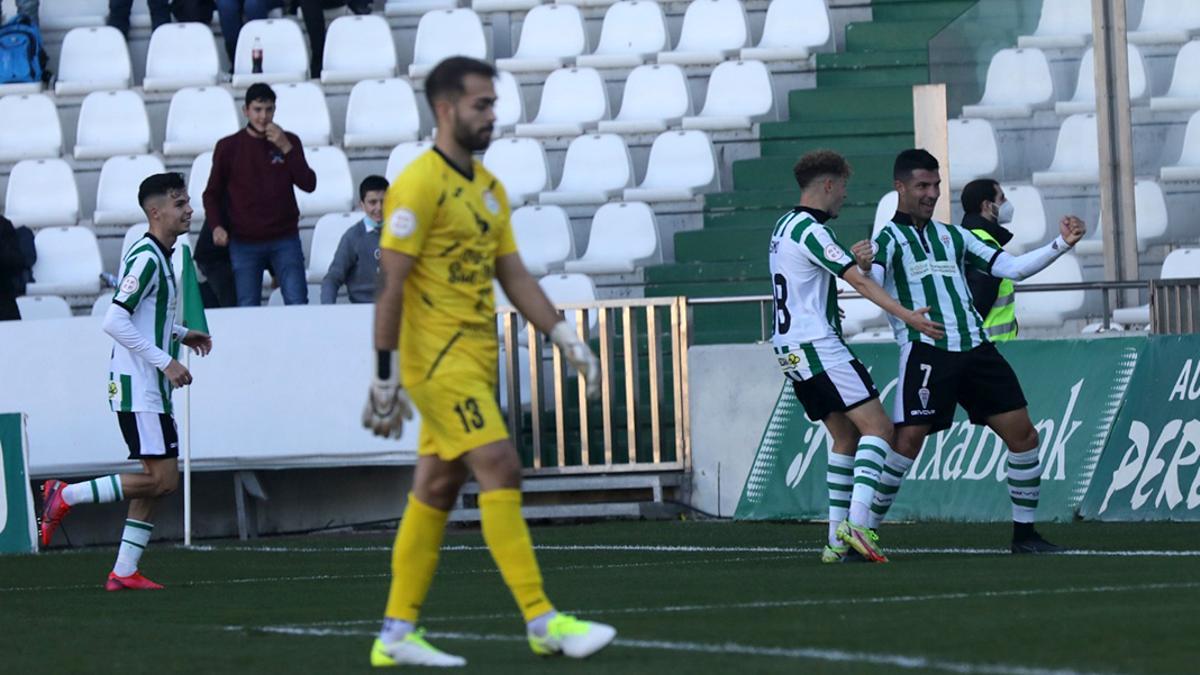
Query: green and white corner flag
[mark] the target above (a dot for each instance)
(193, 304)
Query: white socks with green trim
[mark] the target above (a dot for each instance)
(839, 476)
(894, 469)
(868, 467)
(1024, 484)
(133, 541)
(96, 491)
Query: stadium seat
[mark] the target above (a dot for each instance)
(445, 33)
(623, 237)
(285, 53)
(112, 123)
(1188, 166)
(791, 30)
(1184, 93)
(681, 164)
(1076, 154)
(198, 118)
(974, 152)
(740, 93)
(632, 32)
(31, 128)
(335, 187)
(520, 164)
(510, 104)
(1018, 82)
(42, 193)
(544, 238)
(39, 307)
(68, 262)
(116, 194)
(713, 30)
(402, 155)
(1084, 99)
(1182, 263)
(93, 59)
(300, 108)
(326, 236)
(597, 168)
(381, 113)
(416, 7)
(138, 231)
(885, 210)
(1150, 214)
(181, 55)
(358, 48)
(1051, 308)
(551, 37)
(100, 306)
(197, 182)
(565, 289)
(1166, 22)
(587, 3)
(1063, 23)
(68, 14)
(487, 6)
(655, 98)
(573, 99)
(1029, 218)
(859, 313)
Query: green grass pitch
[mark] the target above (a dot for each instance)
(686, 597)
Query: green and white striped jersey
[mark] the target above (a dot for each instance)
(147, 291)
(805, 257)
(924, 267)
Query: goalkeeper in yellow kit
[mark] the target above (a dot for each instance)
(446, 235)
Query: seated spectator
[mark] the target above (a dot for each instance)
(27, 8)
(314, 25)
(356, 261)
(17, 256)
(118, 14)
(234, 13)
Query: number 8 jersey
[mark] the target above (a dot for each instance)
(805, 257)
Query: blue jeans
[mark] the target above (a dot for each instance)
(233, 13)
(250, 260)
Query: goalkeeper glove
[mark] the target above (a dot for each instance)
(579, 355)
(388, 405)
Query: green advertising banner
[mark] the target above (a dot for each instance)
(1074, 388)
(18, 530)
(1151, 469)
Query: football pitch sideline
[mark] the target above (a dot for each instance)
(698, 597)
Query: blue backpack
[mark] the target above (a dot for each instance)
(20, 51)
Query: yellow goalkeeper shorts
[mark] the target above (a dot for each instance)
(458, 414)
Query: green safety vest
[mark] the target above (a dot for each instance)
(1000, 324)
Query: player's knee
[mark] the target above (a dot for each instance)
(165, 485)
(883, 428)
(1027, 440)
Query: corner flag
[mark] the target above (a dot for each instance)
(193, 305)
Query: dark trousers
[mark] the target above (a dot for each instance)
(118, 13)
(222, 291)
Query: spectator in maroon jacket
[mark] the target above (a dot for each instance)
(250, 204)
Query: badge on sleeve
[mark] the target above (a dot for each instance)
(833, 253)
(130, 284)
(490, 201)
(403, 223)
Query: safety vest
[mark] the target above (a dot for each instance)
(1000, 324)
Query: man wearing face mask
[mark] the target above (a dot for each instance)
(986, 211)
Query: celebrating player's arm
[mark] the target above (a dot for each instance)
(998, 263)
(871, 288)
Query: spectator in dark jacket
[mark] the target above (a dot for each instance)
(356, 262)
(250, 205)
(985, 212)
(17, 256)
(119, 10)
(233, 13)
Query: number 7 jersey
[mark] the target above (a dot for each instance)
(805, 257)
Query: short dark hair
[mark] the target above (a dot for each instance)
(977, 192)
(260, 91)
(371, 183)
(160, 185)
(446, 78)
(911, 160)
(819, 163)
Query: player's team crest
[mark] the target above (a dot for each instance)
(130, 284)
(833, 253)
(923, 394)
(490, 201)
(946, 239)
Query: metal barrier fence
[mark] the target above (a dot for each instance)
(1175, 306)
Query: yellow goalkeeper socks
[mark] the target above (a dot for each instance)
(415, 558)
(507, 537)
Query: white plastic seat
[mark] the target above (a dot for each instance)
(597, 168)
(358, 48)
(1188, 166)
(624, 236)
(285, 53)
(713, 30)
(445, 33)
(1076, 154)
(116, 194)
(181, 55)
(39, 307)
(100, 306)
(402, 155)
(573, 99)
(31, 128)
(1018, 82)
(381, 113)
(112, 123)
(681, 164)
(1184, 93)
(587, 3)
(1050, 308)
(93, 59)
(300, 108)
(487, 6)
(416, 7)
(335, 187)
(1029, 218)
(1084, 99)
(974, 152)
(198, 118)
(68, 262)
(739, 94)
(510, 105)
(42, 193)
(860, 314)
(197, 182)
(551, 37)
(791, 30)
(326, 236)
(1150, 214)
(565, 289)
(68, 14)
(138, 231)
(632, 32)
(885, 210)
(520, 164)
(655, 97)
(1182, 263)
(1063, 23)
(544, 238)
(1166, 22)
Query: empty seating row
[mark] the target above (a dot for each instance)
(1068, 23)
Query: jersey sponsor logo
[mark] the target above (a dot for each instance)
(114, 390)
(921, 413)
(130, 284)
(490, 201)
(939, 268)
(833, 253)
(774, 247)
(403, 223)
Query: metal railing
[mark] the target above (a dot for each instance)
(1175, 306)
